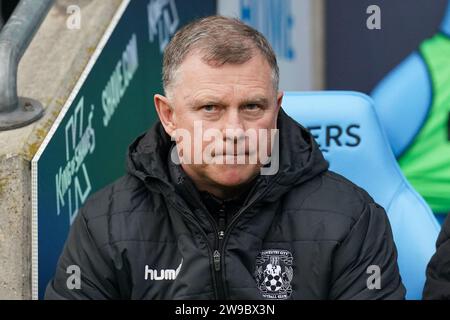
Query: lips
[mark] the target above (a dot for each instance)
(236, 152)
(231, 154)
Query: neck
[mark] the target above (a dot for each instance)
(445, 25)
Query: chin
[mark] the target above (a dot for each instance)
(233, 175)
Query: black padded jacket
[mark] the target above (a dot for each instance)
(437, 286)
(302, 233)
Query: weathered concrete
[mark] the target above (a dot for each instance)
(48, 72)
(15, 228)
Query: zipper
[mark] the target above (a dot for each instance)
(227, 231)
(217, 255)
(220, 238)
(222, 224)
(216, 258)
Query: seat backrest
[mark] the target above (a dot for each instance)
(349, 133)
(405, 93)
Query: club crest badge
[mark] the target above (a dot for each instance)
(274, 273)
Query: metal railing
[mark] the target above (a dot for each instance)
(15, 36)
(1, 16)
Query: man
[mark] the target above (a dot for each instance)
(437, 286)
(254, 215)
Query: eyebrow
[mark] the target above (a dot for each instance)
(214, 101)
(256, 100)
(206, 101)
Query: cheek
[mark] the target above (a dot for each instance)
(183, 119)
(192, 144)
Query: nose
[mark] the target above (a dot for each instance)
(233, 130)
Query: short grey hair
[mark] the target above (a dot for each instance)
(220, 40)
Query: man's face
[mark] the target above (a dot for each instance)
(231, 99)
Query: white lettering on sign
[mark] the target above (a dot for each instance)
(163, 21)
(274, 18)
(120, 79)
(80, 141)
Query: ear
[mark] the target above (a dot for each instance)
(165, 113)
(278, 106)
(279, 100)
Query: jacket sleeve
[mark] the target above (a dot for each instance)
(82, 250)
(365, 263)
(437, 285)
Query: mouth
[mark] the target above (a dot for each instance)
(232, 158)
(231, 154)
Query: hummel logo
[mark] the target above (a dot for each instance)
(164, 274)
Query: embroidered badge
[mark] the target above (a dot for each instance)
(274, 273)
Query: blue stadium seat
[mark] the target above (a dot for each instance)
(349, 133)
(405, 93)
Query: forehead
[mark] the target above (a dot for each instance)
(196, 78)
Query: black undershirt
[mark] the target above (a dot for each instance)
(222, 210)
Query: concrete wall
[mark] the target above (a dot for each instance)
(48, 72)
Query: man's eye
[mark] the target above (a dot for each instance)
(209, 108)
(252, 107)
